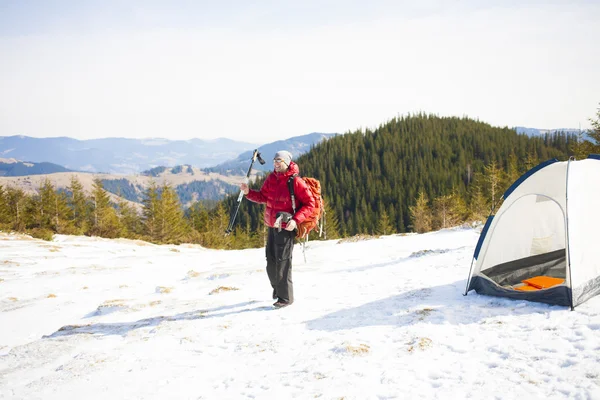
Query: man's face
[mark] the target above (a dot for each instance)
(279, 165)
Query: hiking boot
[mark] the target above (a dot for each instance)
(280, 304)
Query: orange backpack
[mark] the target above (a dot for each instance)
(312, 220)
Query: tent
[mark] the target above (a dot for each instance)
(543, 243)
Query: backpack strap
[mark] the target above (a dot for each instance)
(290, 184)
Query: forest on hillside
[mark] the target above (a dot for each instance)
(371, 179)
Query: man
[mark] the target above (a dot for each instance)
(275, 194)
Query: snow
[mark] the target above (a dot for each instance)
(91, 318)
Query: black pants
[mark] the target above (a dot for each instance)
(280, 245)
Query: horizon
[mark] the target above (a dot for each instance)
(269, 71)
(256, 143)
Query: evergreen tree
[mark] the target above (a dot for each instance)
(531, 161)
(4, 208)
(331, 223)
(581, 147)
(198, 217)
(478, 206)
(129, 219)
(172, 227)
(595, 133)
(61, 214)
(512, 171)
(17, 203)
(151, 211)
(421, 214)
(44, 206)
(80, 207)
(493, 179)
(384, 226)
(105, 222)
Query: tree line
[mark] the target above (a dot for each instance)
(414, 173)
(159, 219)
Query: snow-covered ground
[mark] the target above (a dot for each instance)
(89, 318)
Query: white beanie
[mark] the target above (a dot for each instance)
(286, 156)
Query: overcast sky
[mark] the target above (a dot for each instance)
(260, 71)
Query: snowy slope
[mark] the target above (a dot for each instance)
(89, 318)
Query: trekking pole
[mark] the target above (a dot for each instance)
(255, 156)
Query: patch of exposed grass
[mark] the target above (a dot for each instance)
(424, 313)
(358, 350)
(113, 303)
(51, 296)
(123, 286)
(163, 289)
(13, 299)
(357, 238)
(420, 344)
(175, 250)
(192, 274)
(84, 288)
(223, 289)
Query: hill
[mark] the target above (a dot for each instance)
(12, 167)
(371, 178)
(373, 319)
(191, 184)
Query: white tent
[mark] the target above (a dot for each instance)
(542, 244)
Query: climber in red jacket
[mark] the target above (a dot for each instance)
(280, 242)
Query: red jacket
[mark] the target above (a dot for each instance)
(275, 193)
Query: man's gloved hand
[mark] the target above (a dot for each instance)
(291, 225)
(244, 188)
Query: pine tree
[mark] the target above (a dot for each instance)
(331, 223)
(531, 161)
(4, 208)
(421, 214)
(105, 222)
(198, 217)
(384, 226)
(80, 207)
(449, 210)
(129, 219)
(172, 227)
(478, 206)
(595, 133)
(44, 205)
(150, 211)
(17, 203)
(512, 171)
(61, 214)
(493, 179)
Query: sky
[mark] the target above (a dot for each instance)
(262, 71)
(383, 318)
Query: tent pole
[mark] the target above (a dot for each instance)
(469, 279)
(567, 230)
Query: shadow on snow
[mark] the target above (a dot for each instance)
(443, 304)
(122, 328)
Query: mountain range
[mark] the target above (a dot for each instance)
(120, 155)
(540, 132)
(130, 181)
(297, 145)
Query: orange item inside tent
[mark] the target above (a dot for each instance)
(539, 282)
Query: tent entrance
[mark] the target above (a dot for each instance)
(512, 274)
